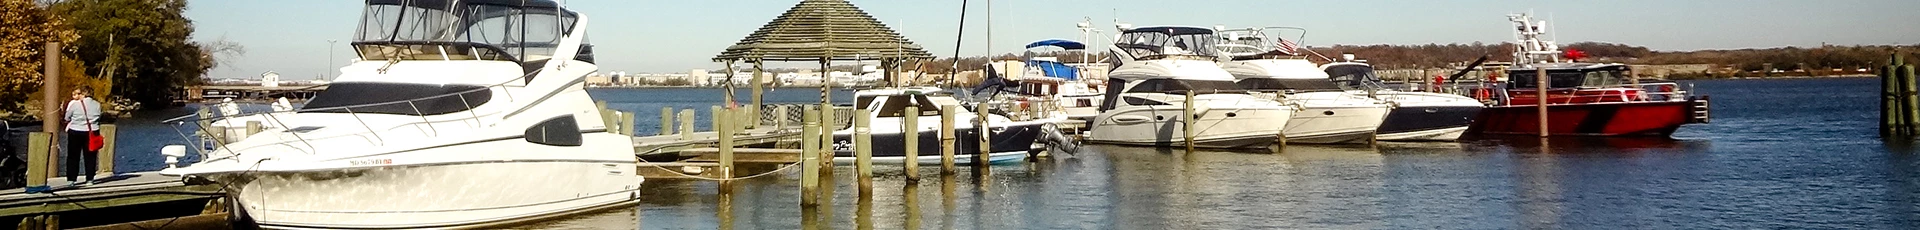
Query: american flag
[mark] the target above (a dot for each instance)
(1288, 47)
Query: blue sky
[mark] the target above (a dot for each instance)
(290, 37)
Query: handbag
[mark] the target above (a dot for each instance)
(94, 140)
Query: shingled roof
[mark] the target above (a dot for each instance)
(823, 28)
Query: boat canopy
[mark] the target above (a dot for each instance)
(1161, 41)
(1055, 69)
(510, 30)
(1062, 43)
(1353, 75)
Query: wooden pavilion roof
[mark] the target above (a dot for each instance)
(814, 29)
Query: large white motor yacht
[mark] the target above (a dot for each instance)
(1156, 67)
(1330, 115)
(457, 114)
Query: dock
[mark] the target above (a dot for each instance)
(127, 201)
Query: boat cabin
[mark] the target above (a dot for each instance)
(1573, 83)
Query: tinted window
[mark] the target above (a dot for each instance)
(1180, 86)
(558, 131)
(397, 98)
(896, 106)
(1276, 84)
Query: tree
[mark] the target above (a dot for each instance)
(25, 30)
(144, 42)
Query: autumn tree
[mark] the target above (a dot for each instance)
(24, 32)
(141, 44)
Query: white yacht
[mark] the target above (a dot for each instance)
(1330, 115)
(1417, 116)
(458, 114)
(1010, 140)
(1156, 67)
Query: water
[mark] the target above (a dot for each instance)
(1799, 153)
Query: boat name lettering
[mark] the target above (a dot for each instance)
(371, 162)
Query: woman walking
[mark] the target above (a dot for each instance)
(82, 112)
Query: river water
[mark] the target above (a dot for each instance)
(1794, 153)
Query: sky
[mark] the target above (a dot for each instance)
(657, 36)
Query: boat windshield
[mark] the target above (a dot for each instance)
(511, 30)
(896, 106)
(1354, 77)
(1569, 78)
(1155, 42)
(1181, 86)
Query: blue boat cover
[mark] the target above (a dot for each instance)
(1062, 43)
(1055, 69)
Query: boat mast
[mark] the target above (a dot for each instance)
(1532, 50)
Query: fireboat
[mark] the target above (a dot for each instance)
(1582, 99)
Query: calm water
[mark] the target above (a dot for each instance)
(1780, 154)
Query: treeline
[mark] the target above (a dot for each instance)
(1744, 60)
(131, 52)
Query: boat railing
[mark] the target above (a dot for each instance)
(1643, 92)
(473, 118)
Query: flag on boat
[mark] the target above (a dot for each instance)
(1288, 47)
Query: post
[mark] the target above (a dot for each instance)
(726, 142)
(947, 139)
(780, 117)
(686, 124)
(1540, 78)
(986, 134)
(810, 158)
(713, 119)
(1909, 94)
(253, 127)
(1186, 120)
(757, 89)
(626, 124)
(910, 131)
(827, 126)
(606, 117)
(863, 151)
(666, 120)
(1887, 105)
(111, 133)
(39, 149)
(50, 96)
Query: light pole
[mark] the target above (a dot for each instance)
(329, 75)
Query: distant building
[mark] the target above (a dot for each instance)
(270, 79)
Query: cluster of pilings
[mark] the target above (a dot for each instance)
(1899, 104)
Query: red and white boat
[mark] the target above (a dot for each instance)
(1582, 99)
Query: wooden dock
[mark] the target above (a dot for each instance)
(677, 143)
(117, 202)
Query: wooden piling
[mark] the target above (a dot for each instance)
(686, 124)
(626, 124)
(253, 127)
(910, 129)
(863, 151)
(780, 116)
(810, 158)
(1890, 112)
(713, 118)
(606, 116)
(1186, 120)
(111, 133)
(947, 138)
(986, 137)
(1541, 91)
(666, 120)
(828, 123)
(1911, 96)
(50, 99)
(724, 118)
(39, 150)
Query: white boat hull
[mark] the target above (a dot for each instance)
(1157, 125)
(1335, 124)
(437, 196)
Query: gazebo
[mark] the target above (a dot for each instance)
(823, 31)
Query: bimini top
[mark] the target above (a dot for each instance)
(1062, 43)
(512, 30)
(1055, 69)
(1165, 42)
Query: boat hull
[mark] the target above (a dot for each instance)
(891, 147)
(431, 196)
(1592, 119)
(1335, 124)
(1427, 123)
(1218, 128)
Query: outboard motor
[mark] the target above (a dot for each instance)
(1050, 134)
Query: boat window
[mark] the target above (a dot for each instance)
(1556, 79)
(863, 102)
(896, 106)
(1145, 42)
(397, 98)
(1276, 84)
(1353, 76)
(1603, 78)
(1143, 101)
(1181, 86)
(558, 131)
